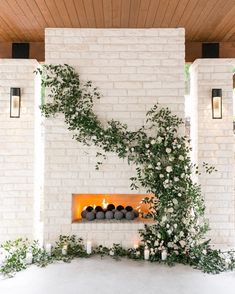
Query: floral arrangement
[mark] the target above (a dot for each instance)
(163, 167)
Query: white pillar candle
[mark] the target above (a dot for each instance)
(146, 253)
(164, 254)
(64, 249)
(29, 258)
(48, 249)
(88, 247)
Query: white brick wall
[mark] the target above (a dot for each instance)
(213, 143)
(17, 150)
(134, 69)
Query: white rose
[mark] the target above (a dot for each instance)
(181, 233)
(159, 163)
(168, 150)
(161, 176)
(181, 157)
(153, 142)
(204, 251)
(111, 252)
(175, 201)
(175, 226)
(164, 218)
(169, 232)
(176, 179)
(132, 149)
(169, 169)
(150, 166)
(159, 139)
(147, 145)
(182, 175)
(182, 243)
(170, 244)
(170, 209)
(179, 194)
(156, 243)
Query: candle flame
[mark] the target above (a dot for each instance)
(104, 203)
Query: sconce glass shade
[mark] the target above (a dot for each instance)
(216, 103)
(15, 100)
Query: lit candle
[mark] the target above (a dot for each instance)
(48, 249)
(29, 257)
(64, 249)
(88, 247)
(146, 253)
(136, 245)
(164, 254)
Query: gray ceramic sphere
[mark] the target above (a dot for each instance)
(109, 214)
(83, 214)
(130, 215)
(118, 215)
(136, 213)
(100, 215)
(90, 216)
(124, 212)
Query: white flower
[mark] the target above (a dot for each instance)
(111, 252)
(161, 176)
(151, 251)
(159, 139)
(158, 168)
(175, 201)
(170, 244)
(228, 261)
(182, 243)
(168, 150)
(179, 194)
(175, 226)
(159, 236)
(182, 175)
(169, 169)
(176, 179)
(204, 251)
(167, 226)
(169, 232)
(166, 181)
(150, 166)
(171, 158)
(153, 142)
(147, 145)
(164, 218)
(127, 149)
(156, 243)
(132, 149)
(181, 157)
(159, 163)
(170, 209)
(181, 234)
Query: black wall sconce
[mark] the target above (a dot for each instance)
(15, 101)
(216, 103)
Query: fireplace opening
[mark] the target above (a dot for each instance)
(106, 207)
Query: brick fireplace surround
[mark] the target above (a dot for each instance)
(134, 69)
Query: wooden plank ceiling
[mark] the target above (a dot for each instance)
(204, 20)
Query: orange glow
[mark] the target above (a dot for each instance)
(81, 201)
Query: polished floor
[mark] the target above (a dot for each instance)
(88, 276)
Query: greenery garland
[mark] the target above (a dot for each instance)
(163, 167)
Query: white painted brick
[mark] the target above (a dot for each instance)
(124, 64)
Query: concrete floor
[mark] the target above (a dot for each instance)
(88, 276)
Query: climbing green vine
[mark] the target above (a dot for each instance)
(163, 168)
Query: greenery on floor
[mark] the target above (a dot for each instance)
(163, 168)
(20, 254)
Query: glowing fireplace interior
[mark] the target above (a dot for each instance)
(81, 202)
